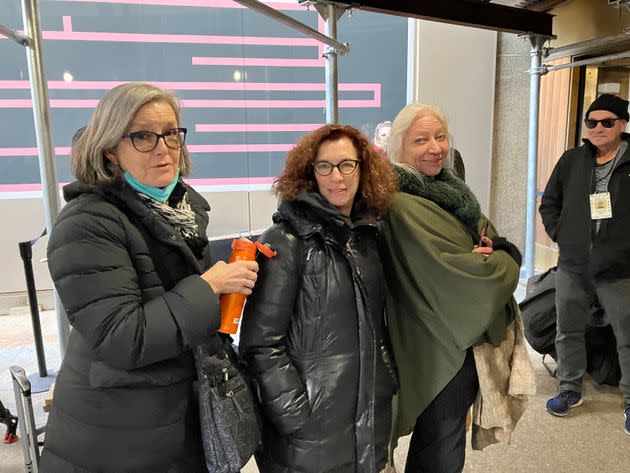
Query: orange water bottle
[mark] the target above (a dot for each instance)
(232, 304)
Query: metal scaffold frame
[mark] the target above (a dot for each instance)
(330, 12)
(32, 40)
(536, 70)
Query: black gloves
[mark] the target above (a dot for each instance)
(501, 243)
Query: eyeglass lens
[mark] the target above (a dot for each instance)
(324, 168)
(145, 141)
(606, 122)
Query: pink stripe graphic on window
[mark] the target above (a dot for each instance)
(256, 62)
(258, 127)
(69, 103)
(245, 148)
(67, 23)
(60, 151)
(242, 148)
(231, 181)
(174, 38)
(23, 187)
(194, 3)
(237, 86)
(76, 103)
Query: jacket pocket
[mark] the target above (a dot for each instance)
(164, 373)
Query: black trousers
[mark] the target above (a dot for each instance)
(438, 442)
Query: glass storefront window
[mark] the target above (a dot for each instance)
(250, 87)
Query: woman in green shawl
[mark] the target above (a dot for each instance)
(450, 281)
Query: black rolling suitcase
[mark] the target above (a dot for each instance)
(28, 432)
(538, 310)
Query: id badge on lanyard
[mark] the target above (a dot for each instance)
(601, 206)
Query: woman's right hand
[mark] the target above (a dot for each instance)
(238, 277)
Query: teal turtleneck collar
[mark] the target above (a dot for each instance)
(161, 194)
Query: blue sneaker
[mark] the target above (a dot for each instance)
(561, 403)
(626, 426)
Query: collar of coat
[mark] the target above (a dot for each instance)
(125, 198)
(445, 190)
(593, 149)
(309, 213)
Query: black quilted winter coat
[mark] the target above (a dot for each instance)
(314, 340)
(124, 399)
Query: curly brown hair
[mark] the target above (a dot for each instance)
(378, 181)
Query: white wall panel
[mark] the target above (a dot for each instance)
(455, 70)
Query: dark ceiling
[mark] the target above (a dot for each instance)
(536, 5)
(501, 15)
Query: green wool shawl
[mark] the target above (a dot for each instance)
(441, 297)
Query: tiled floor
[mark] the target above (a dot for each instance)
(17, 348)
(590, 440)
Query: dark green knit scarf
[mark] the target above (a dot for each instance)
(446, 190)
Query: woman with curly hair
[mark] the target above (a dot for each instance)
(313, 334)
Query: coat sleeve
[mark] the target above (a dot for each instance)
(429, 258)
(551, 201)
(263, 340)
(90, 264)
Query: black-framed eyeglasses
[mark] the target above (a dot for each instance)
(347, 166)
(145, 141)
(606, 122)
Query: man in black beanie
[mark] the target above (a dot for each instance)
(586, 210)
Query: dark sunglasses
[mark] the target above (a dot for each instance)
(606, 122)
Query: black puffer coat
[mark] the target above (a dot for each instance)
(314, 340)
(124, 399)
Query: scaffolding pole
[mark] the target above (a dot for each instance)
(535, 72)
(293, 23)
(330, 12)
(586, 62)
(331, 70)
(46, 150)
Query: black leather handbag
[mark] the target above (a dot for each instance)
(229, 423)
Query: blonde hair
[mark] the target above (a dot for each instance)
(403, 121)
(111, 119)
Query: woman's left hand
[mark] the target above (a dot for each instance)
(486, 248)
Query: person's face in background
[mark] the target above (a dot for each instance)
(425, 145)
(383, 136)
(155, 168)
(337, 188)
(605, 138)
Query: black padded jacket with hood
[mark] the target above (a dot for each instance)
(314, 339)
(124, 397)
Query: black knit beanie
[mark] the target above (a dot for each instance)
(611, 103)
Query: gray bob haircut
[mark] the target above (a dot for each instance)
(403, 121)
(110, 121)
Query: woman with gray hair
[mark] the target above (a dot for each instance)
(129, 257)
(449, 280)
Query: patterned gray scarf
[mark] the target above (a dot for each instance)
(182, 216)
